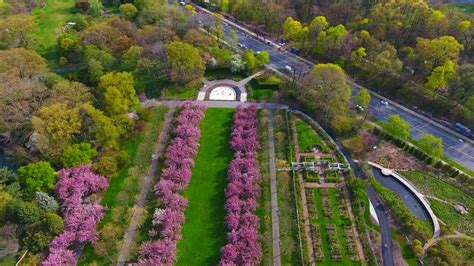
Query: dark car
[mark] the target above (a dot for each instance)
(295, 50)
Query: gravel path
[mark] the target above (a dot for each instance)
(274, 191)
(147, 184)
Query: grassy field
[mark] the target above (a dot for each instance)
(204, 231)
(289, 235)
(450, 216)
(51, 20)
(223, 73)
(259, 91)
(467, 8)
(407, 252)
(264, 202)
(323, 221)
(307, 138)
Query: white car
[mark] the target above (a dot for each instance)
(383, 102)
(288, 68)
(360, 108)
(182, 3)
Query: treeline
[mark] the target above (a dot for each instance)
(89, 113)
(417, 53)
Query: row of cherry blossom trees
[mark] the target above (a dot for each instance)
(242, 192)
(81, 215)
(169, 218)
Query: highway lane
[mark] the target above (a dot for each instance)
(459, 151)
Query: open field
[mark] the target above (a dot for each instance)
(204, 231)
(307, 138)
(51, 19)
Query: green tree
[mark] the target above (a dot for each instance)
(317, 25)
(185, 62)
(118, 92)
(363, 98)
(78, 154)
(97, 61)
(7, 176)
(250, 61)
(131, 58)
(21, 62)
(15, 30)
(56, 125)
(19, 94)
(295, 31)
(128, 11)
(98, 128)
(418, 248)
(431, 145)
(235, 37)
(263, 58)
(23, 212)
(38, 176)
(326, 92)
(441, 77)
(397, 126)
(5, 199)
(52, 223)
(330, 41)
(436, 52)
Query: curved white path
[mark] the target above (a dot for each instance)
(421, 197)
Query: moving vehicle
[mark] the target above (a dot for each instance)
(383, 102)
(462, 129)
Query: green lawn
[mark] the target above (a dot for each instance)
(264, 202)
(259, 91)
(204, 231)
(434, 186)
(447, 213)
(51, 20)
(336, 219)
(467, 8)
(307, 138)
(223, 73)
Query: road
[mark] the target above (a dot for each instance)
(387, 246)
(274, 197)
(461, 152)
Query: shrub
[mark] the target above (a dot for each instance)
(80, 219)
(175, 178)
(242, 193)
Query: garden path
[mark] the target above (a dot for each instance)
(147, 184)
(274, 198)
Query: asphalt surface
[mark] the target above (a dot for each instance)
(387, 246)
(457, 150)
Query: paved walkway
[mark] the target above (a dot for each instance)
(147, 184)
(240, 85)
(274, 192)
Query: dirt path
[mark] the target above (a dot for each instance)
(147, 184)
(457, 234)
(274, 192)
